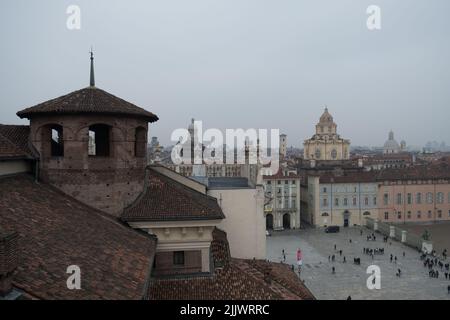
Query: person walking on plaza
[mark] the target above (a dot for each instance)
(340, 253)
(334, 247)
(333, 270)
(392, 257)
(332, 258)
(395, 259)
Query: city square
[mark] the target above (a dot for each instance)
(350, 279)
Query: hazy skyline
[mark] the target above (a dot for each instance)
(240, 64)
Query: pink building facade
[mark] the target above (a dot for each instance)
(420, 198)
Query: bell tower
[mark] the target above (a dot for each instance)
(92, 145)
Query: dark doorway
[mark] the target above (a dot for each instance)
(286, 221)
(269, 222)
(346, 218)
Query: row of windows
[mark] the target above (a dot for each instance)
(419, 198)
(429, 214)
(345, 201)
(285, 182)
(99, 140)
(354, 190)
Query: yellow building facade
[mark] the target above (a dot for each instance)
(326, 144)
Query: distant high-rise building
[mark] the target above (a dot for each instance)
(283, 145)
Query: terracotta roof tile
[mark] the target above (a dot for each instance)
(88, 100)
(236, 279)
(439, 170)
(56, 231)
(165, 199)
(14, 141)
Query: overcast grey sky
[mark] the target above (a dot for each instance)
(240, 63)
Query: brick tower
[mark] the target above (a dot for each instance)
(92, 145)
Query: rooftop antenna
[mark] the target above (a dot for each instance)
(92, 80)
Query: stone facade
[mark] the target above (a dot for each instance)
(326, 144)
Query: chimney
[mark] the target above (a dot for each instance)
(8, 260)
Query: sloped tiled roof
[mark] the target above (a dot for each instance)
(14, 142)
(165, 199)
(88, 100)
(56, 231)
(436, 171)
(238, 279)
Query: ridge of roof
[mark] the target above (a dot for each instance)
(90, 100)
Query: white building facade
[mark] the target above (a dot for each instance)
(342, 201)
(282, 206)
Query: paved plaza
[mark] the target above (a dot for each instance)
(440, 233)
(350, 279)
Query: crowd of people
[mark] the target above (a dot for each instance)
(436, 265)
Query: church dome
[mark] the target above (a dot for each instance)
(326, 117)
(391, 144)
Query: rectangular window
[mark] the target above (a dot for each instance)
(419, 214)
(399, 198)
(399, 215)
(409, 214)
(429, 214)
(366, 201)
(345, 202)
(336, 202)
(354, 201)
(386, 216)
(409, 198)
(386, 199)
(429, 198)
(439, 213)
(374, 201)
(325, 202)
(419, 198)
(178, 258)
(324, 190)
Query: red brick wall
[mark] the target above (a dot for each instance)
(164, 263)
(107, 183)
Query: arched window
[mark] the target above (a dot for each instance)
(53, 140)
(140, 142)
(334, 154)
(325, 214)
(318, 153)
(99, 144)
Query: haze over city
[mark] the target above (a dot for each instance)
(232, 64)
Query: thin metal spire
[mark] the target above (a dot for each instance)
(92, 82)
